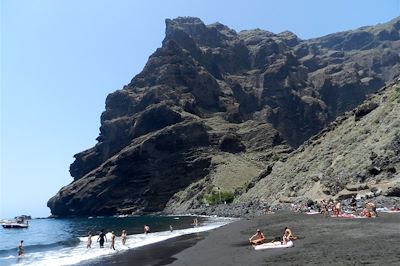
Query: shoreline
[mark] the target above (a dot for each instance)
(161, 253)
(322, 241)
(142, 255)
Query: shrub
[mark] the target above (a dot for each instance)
(216, 197)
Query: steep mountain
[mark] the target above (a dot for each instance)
(357, 154)
(213, 107)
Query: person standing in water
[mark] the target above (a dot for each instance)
(146, 229)
(89, 240)
(101, 238)
(171, 228)
(123, 237)
(21, 248)
(195, 222)
(112, 246)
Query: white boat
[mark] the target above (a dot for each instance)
(15, 225)
(18, 223)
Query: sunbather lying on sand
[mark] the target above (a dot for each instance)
(257, 238)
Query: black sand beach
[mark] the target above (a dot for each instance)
(323, 241)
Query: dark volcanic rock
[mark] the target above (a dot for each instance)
(364, 109)
(351, 157)
(393, 191)
(129, 180)
(212, 97)
(230, 143)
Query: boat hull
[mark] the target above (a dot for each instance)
(15, 225)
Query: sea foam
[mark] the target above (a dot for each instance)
(79, 253)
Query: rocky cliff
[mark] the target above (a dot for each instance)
(212, 108)
(357, 154)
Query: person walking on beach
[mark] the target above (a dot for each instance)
(101, 238)
(89, 240)
(21, 248)
(146, 229)
(171, 228)
(257, 238)
(112, 245)
(123, 237)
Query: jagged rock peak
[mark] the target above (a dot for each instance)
(188, 24)
(212, 35)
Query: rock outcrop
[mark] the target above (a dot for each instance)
(354, 155)
(213, 107)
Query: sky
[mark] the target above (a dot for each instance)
(60, 59)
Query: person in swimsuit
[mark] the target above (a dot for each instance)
(353, 203)
(338, 208)
(21, 248)
(289, 233)
(123, 237)
(146, 229)
(101, 238)
(89, 240)
(195, 222)
(286, 237)
(112, 245)
(257, 238)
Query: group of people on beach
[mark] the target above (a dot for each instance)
(103, 238)
(258, 238)
(337, 207)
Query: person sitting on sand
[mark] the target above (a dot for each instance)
(286, 237)
(338, 208)
(288, 231)
(123, 237)
(372, 208)
(324, 207)
(257, 238)
(366, 213)
(268, 210)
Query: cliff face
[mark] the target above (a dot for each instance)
(212, 107)
(357, 154)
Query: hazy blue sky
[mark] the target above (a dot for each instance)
(60, 59)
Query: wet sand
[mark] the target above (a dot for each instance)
(323, 241)
(155, 254)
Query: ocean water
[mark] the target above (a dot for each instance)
(63, 241)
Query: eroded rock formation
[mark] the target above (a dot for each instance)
(213, 107)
